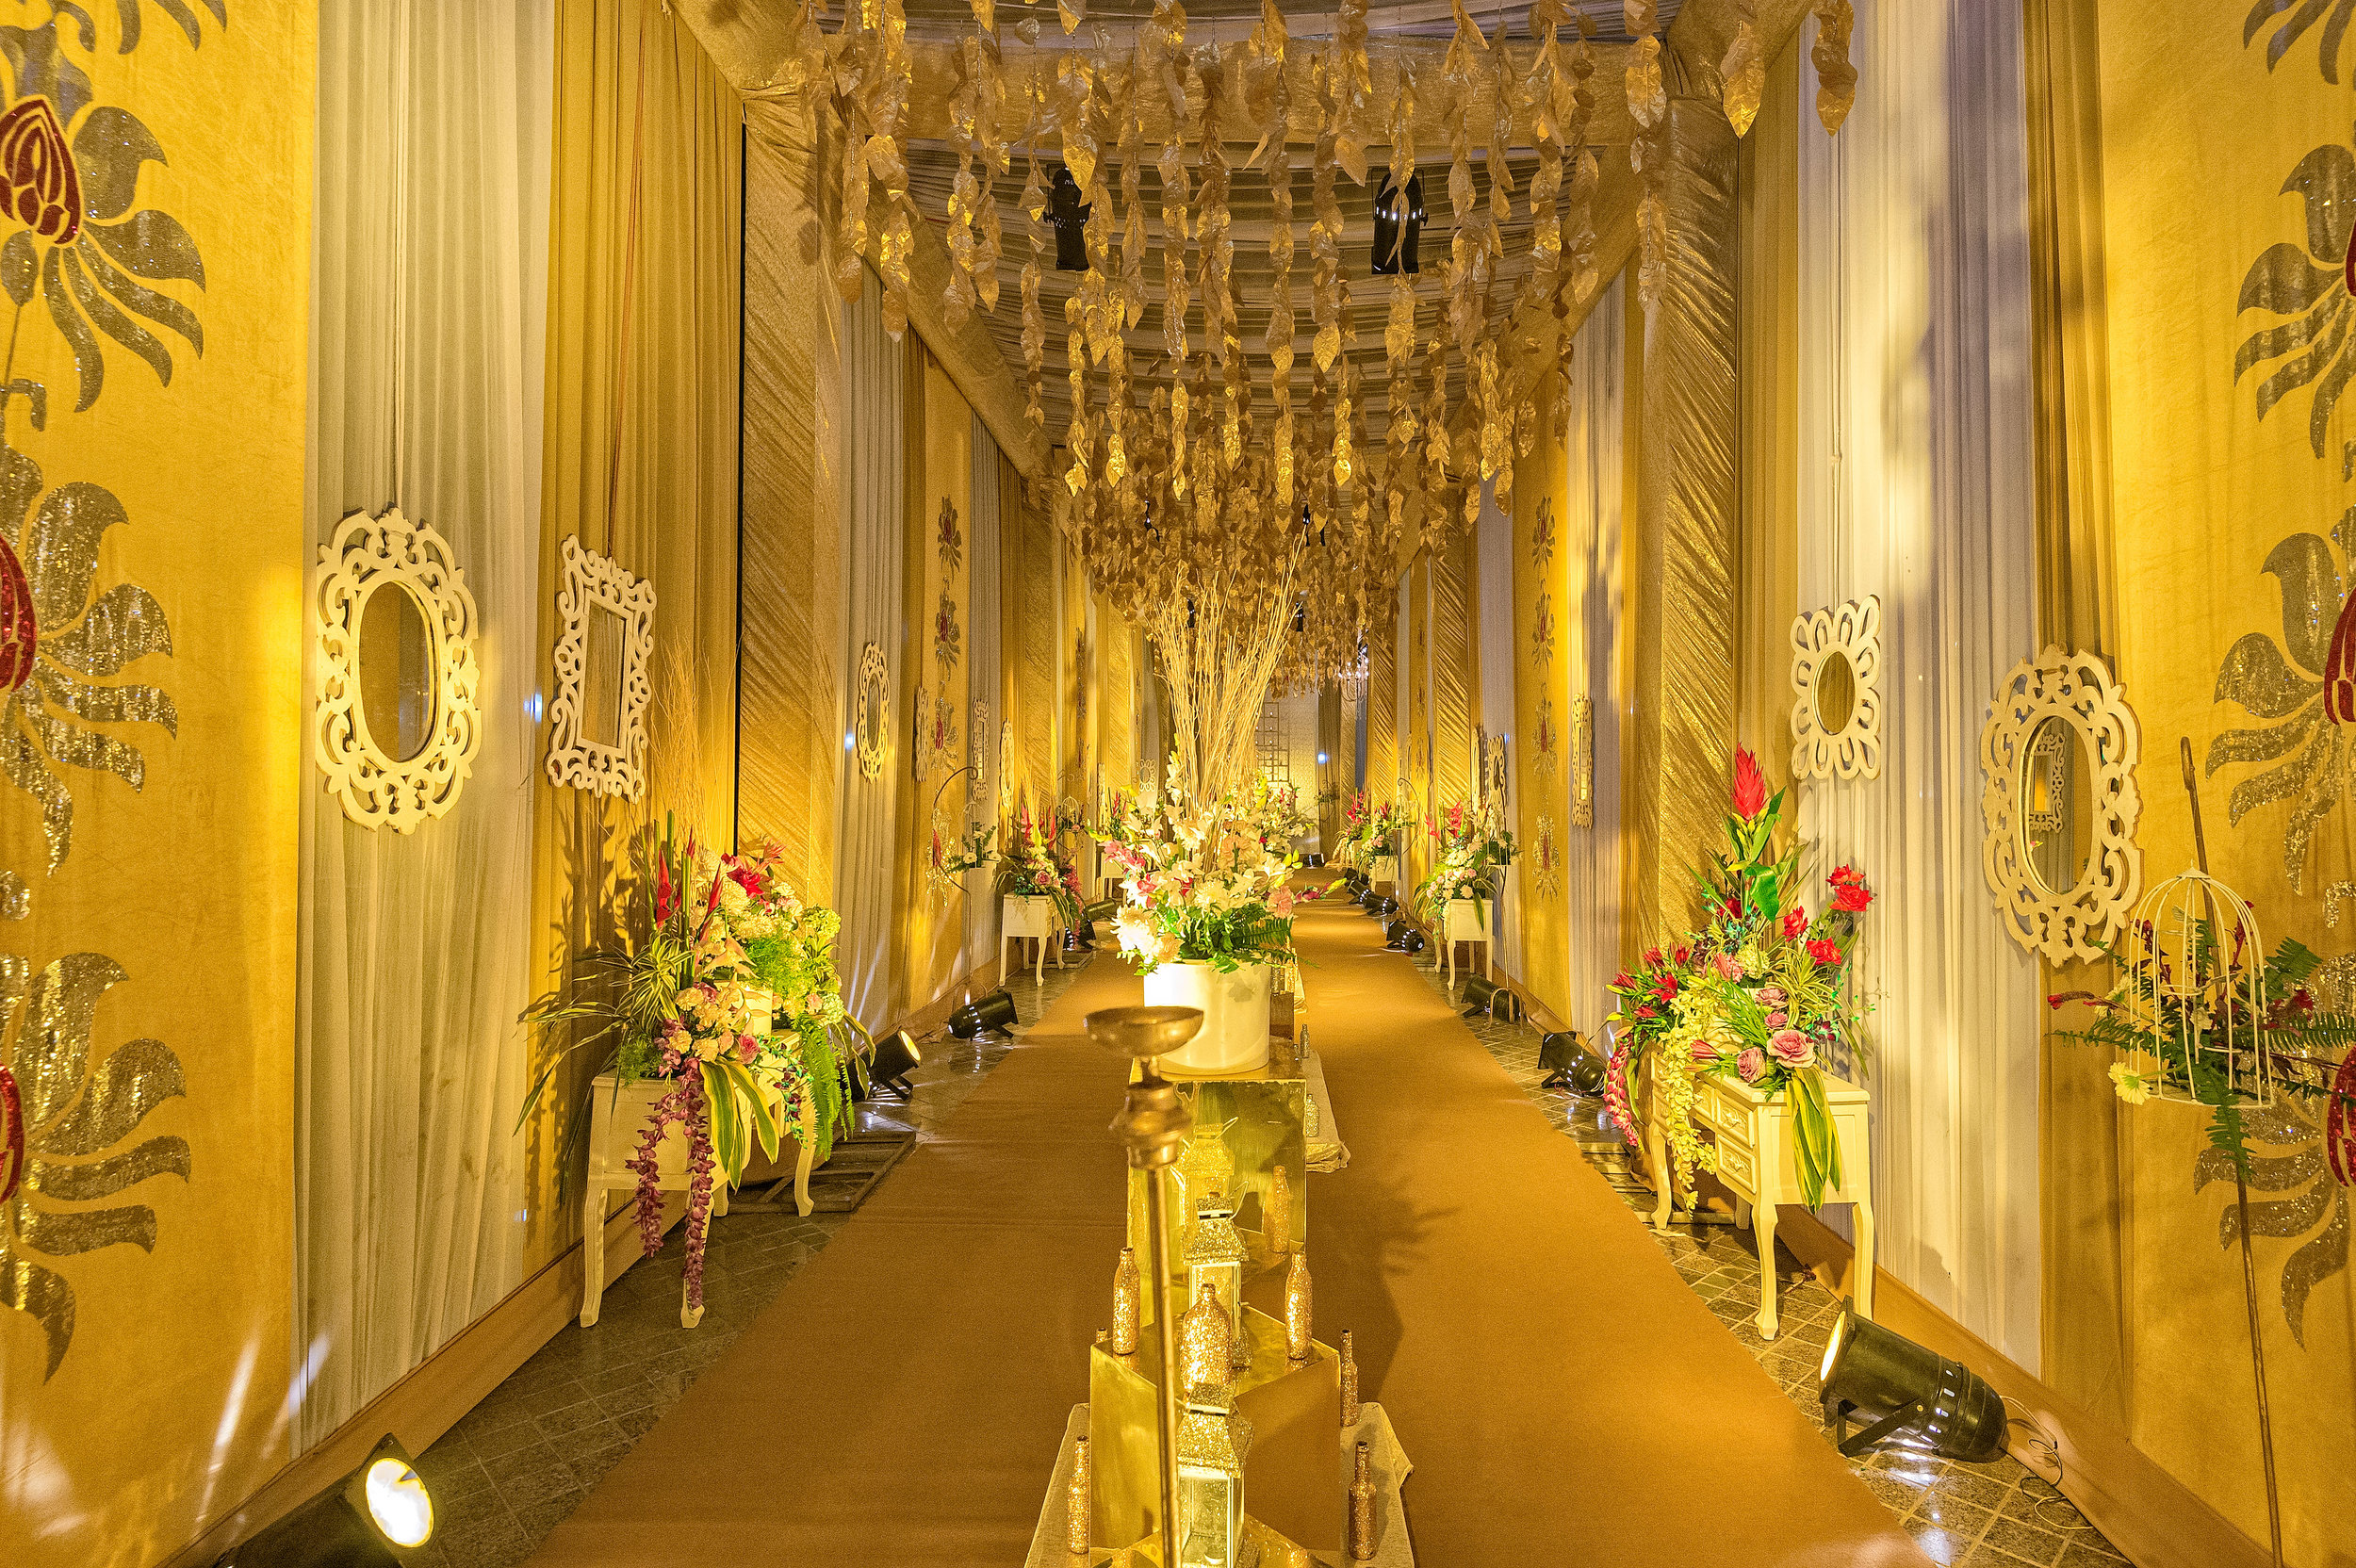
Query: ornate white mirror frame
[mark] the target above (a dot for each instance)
(1851, 632)
(377, 789)
(2076, 689)
(595, 582)
(872, 712)
(1582, 761)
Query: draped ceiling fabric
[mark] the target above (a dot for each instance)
(155, 1397)
(2232, 454)
(1914, 331)
(873, 526)
(642, 433)
(1593, 588)
(429, 318)
(793, 715)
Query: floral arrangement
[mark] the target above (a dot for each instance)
(1035, 865)
(1282, 815)
(977, 851)
(1757, 994)
(1204, 883)
(1470, 849)
(727, 992)
(1370, 830)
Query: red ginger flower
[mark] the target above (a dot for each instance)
(1750, 785)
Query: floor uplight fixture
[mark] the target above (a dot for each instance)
(1899, 1386)
(357, 1523)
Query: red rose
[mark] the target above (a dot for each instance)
(1794, 922)
(1852, 897)
(1827, 952)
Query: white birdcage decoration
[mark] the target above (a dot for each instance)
(2197, 990)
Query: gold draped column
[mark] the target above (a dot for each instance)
(1683, 723)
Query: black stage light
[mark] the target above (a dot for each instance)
(1569, 1064)
(1386, 906)
(1506, 1006)
(1901, 1387)
(1078, 938)
(1367, 899)
(1398, 224)
(1400, 937)
(895, 1058)
(993, 1011)
(1476, 995)
(1070, 215)
(1313, 859)
(355, 1523)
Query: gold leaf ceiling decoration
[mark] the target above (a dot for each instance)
(1220, 429)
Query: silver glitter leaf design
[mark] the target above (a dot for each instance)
(2310, 286)
(2261, 746)
(2255, 675)
(78, 1116)
(61, 549)
(126, 624)
(2308, 12)
(2289, 1216)
(2265, 1175)
(2276, 783)
(2311, 597)
(178, 10)
(2318, 1261)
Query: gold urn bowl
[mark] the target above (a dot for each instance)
(1143, 1031)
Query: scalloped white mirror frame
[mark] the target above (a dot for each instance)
(1854, 630)
(596, 581)
(375, 789)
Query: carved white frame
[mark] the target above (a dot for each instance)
(376, 789)
(870, 713)
(1854, 630)
(2078, 689)
(596, 581)
(1582, 761)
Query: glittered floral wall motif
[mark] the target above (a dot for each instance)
(2301, 291)
(1542, 535)
(2333, 43)
(1545, 861)
(2303, 685)
(1543, 741)
(1541, 631)
(78, 255)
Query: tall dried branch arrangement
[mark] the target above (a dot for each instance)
(1219, 651)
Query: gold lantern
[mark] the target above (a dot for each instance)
(1215, 1257)
(1212, 1443)
(1206, 1171)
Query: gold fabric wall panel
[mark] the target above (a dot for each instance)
(790, 712)
(2230, 452)
(1452, 661)
(1546, 643)
(148, 846)
(1383, 769)
(641, 456)
(1685, 710)
(940, 491)
(1035, 639)
(1767, 397)
(1419, 772)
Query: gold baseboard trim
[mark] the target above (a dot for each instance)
(2145, 1511)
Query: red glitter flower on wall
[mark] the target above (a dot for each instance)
(38, 182)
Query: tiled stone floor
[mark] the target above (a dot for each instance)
(522, 1460)
(1997, 1515)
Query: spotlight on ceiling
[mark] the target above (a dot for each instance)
(1070, 215)
(355, 1523)
(1900, 1386)
(1397, 223)
(895, 1058)
(1569, 1064)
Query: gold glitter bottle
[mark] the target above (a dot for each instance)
(1297, 1303)
(1278, 1222)
(1361, 1509)
(1078, 1502)
(1206, 1344)
(1349, 1381)
(1127, 1292)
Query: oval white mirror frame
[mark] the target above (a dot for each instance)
(2098, 813)
(1836, 687)
(444, 729)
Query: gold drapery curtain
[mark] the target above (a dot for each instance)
(641, 444)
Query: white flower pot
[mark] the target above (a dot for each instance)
(1235, 1017)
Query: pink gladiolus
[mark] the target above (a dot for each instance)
(1751, 1064)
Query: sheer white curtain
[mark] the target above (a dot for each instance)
(984, 709)
(1493, 571)
(1592, 542)
(874, 545)
(1915, 483)
(428, 317)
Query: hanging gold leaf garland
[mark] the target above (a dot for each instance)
(1836, 78)
(1744, 72)
(1649, 112)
